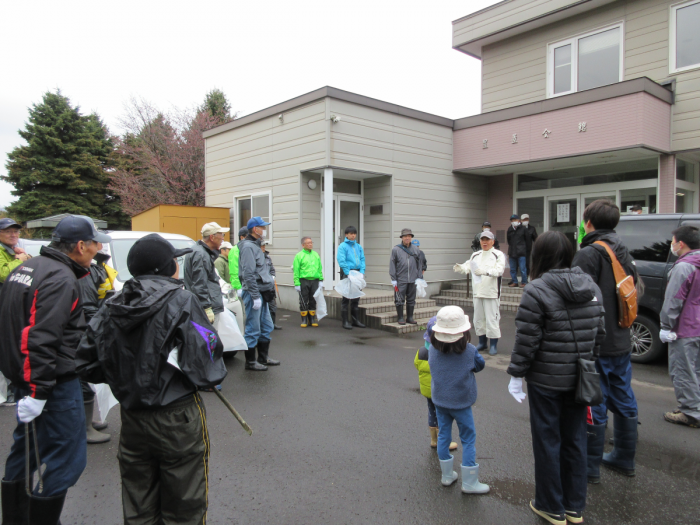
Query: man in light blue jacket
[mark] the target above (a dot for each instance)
(351, 256)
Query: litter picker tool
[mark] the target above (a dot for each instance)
(303, 303)
(235, 413)
(397, 295)
(28, 477)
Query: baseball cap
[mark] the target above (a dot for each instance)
(153, 254)
(9, 223)
(513, 217)
(225, 246)
(256, 221)
(243, 232)
(524, 216)
(487, 234)
(415, 242)
(487, 224)
(211, 228)
(74, 228)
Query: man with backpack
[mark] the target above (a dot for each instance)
(601, 254)
(404, 268)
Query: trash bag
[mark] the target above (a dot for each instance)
(321, 309)
(3, 389)
(104, 398)
(229, 332)
(421, 287)
(351, 287)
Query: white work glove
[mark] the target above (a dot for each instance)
(239, 292)
(667, 336)
(515, 387)
(210, 315)
(257, 303)
(29, 408)
(459, 269)
(479, 271)
(274, 278)
(393, 283)
(297, 288)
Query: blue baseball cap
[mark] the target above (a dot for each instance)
(256, 221)
(514, 217)
(415, 242)
(76, 228)
(9, 223)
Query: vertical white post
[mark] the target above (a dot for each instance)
(328, 254)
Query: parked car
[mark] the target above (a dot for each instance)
(648, 238)
(32, 246)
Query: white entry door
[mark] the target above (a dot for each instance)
(347, 211)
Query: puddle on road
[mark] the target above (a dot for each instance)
(359, 343)
(309, 343)
(515, 491)
(676, 464)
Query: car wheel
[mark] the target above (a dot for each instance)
(646, 345)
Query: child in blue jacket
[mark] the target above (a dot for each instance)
(453, 362)
(350, 256)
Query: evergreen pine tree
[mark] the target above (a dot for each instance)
(64, 166)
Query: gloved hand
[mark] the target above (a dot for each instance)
(210, 315)
(667, 336)
(393, 283)
(459, 269)
(29, 408)
(479, 271)
(515, 387)
(239, 292)
(257, 303)
(297, 288)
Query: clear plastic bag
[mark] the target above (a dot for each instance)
(351, 287)
(321, 309)
(421, 287)
(229, 332)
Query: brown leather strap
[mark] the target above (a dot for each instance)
(619, 272)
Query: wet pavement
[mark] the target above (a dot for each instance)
(340, 436)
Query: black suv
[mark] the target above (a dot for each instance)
(648, 238)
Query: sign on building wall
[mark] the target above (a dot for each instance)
(563, 213)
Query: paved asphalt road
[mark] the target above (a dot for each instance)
(340, 436)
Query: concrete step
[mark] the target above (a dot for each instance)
(462, 294)
(390, 306)
(444, 300)
(384, 318)
(373, 299)
(396, 328)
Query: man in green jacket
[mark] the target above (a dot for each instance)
(233, 257)
(11, 255)
(307, 274)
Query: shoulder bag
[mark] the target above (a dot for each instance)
(626, 291)
(588, 391)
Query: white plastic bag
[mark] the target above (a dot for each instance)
(229, 332)
(3, 389)
(351, 287)
(421, 287)
(321, 309)
(105, 399)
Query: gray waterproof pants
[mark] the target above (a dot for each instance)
(684, 369)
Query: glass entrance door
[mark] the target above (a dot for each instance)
(563, 216)
(347, 211)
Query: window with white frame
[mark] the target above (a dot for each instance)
(684, 48)
(254, 205)
(585, 62)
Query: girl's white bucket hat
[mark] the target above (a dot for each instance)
(451, 324)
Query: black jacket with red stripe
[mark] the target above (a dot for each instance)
(42, 322)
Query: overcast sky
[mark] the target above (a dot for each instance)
(259, 53)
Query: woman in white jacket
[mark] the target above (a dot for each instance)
(486, 268)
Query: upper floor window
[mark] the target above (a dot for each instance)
(685, 36)
(585, 62)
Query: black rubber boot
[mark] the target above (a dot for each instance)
(409, 314)
(313, 318)
(251, 363)
(344, 315)
(621, 458)
(263, 358)
(14, 503)
(356, 316)
(304, 320)
(399, 312)
(483, 341)
(596, 444)
(46, 511)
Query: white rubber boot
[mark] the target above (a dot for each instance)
(470, 481)
(449, 476)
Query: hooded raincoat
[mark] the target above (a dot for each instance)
(351, 256)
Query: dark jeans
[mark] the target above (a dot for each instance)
(60, 432)
(518, 263)
(406, 293)
(164, 463)
(616, 384)
(306, 297)
(559, 444)
(432, 415)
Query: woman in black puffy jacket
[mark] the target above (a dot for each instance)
(560, 318)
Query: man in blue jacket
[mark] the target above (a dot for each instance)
(351, 256)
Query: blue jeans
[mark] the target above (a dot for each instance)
(467, 433)
(559, 444)
(60, 432)
(516, 262)
(616, 384)
(432, 415)
(258, 323)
